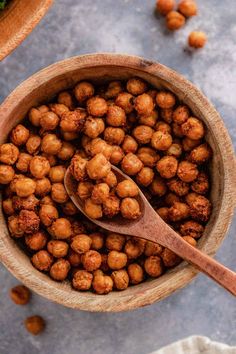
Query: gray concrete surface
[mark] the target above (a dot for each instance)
(129, 26)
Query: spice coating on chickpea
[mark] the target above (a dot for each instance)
(42, 260)
(120, 279)
(125, 101)
(58, 249)
(130, 208)
(193, 128)
(153, 266)
(93, 210)
(60, 229)
(8, 153)
(197, 39)
(167, 166)
(136, 274)
(19, 135)
(98, 167)
(178, 211)
(136, 86)
(82, 280)
(165, 6)
(100, 193)
(60, 269)
(116, 116)
(97, 106)
(102, 284)
(7, 174)
(116, 260)
(161, 141)
(143, 134)
(131, 164)
(20, 295)
(36, 241)
(129, 145)
(200, 154)
(83, 91)
(144, 104)
(187, 171)
(73, 121)
(91, 260)
(48, 213)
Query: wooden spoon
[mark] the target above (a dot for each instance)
(151, 227)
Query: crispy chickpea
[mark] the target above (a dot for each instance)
(150, 119)
(145, 176)
(27, 203)
(39, 166)
(178, 187)
(188, 8)
(161, 141)
(43, 187)
(58, 193)
(83, 91)
(167, 115)
(48, 213)
(197, 39)
(200, 154)
(177, 130)
(174, 150)
(117, 155)
(125, 101)
(57, 248)
(36, 113)
(36, 241)
(129, 144)
(120, 279)
(102, 284)
(167, 166)
(165, 100)
(152, 249)
(169, 258)
(24, 187)
(135, 273)
(127, 188)
(47, 200)
(131, 164)
(42, 260)
(97, 106)
(178, 211)
(73, 121)
(163, 213)
(201, 184)
(115, 242)
(191, 228)
(143, 134)
(116, 260)
(97, 240)
(130, 208)
(114, 135)
(148, 156)
(98, 167)
(187, 171)
(58, 108)
(69, 136)
(52, 159)
(20, 295)
(19, 135)
(84, 190)
(136, 86)
(60, 269)
(51, 144)
(74, 258)
(144, 104)
(111, 206)
(49, 121)
(7, 174)
(23, 162)
(93, 127)
(116, 116)
(170, 198)
(78, 168)
(82, 280)
(98, 145)
(91, 260)
(153, 266)
(113, 89)
(66, 152)
(57, 173)
(158, 186)
(66, 98)
(34, 324)
(33, 144)
(165, 6)
(94, 211)
(200, 208)
(110, 179)
(15, 227)
(12, 186)
(8, 206)
(193, 128)
(191, 197)
(28, 221)
(69, 208)
(133, 249)
(181, 114)
(8, 153)
(189, 144)
(100, 193)
(163, 127)
(174, 20)
(60, 229)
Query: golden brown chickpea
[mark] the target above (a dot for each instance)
(114, 89)
(97, 106)
(169, 258)
(69, 208)
(135, 273)
(102, 284)
(170, 198)
(78, 168)
(39, 166)
(191, 198)
(94, 211)
(143, 134)
(98, 167)
(163, 213)
(189, 144)
(130, 208)
(69, 136)
(58, 108)
(127, 188)
(177, 130)
(133, 249)
(98, 145)
(51, 144)
(58, 193)
(111, 206)
(74, 258)
(174, 21)
(145, 176)
(158, 186)
(188, 8)
(125, 101)
(114, 135)
(193, 128)
(49, 121)
(120, 279)
(115, 242)
(200, 208)
(200, 154)
(178, 211)
(110, 179)
(167, 166)
(97, 240)
(15, 227)
(51, 159)
(163, 127)
(161, 141)
(28, 221)
(117, 155)
(7, 174)
(8, 153)
(178, 187)
(144, 104)
(191, 228)
(152, 249)
(187, 171)
(181, 114)
(66, 152)
(48, 213)
(165, 6)
(43, 187)
(8, 207)
(20, 295)
(148, 156)
(34, 324)
(131, 164)
(36, 241)
(100, 193)
(91, 260)
(136, 86)
(190, 240)
(150, 119)
(153, 266)
(93, 127)
(57, 173)
(12, 186)
(23, 162)
(28, 203)
(167, 115)
(36, 113)
(19, 135)
(83, 91)
(66, 98)
(60, 269)
(174, 150)
(60, 229)
(165, 100)
(197, 39)
(84, 190)
(47, 201)
(24, 187)
(129, 144)
(201, 184)
(116, 116)
(73, 121)
(42, 260)
(33, 144)
(82, 280)
(116, 260)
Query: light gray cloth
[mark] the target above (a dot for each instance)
(196, 345)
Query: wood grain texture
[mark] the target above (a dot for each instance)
(17, 20)
(43, 86)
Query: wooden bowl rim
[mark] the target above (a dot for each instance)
(23, 32)
(144, 294)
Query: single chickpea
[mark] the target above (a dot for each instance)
(19, 135)
(73, 121)
(36, 113)
(135, 273)
(165, 100)
(125, 101)
(187, 171)
(133, 249)
(130, 208)
(136, 86)
(7, 174)
(97, 106)
(69, 136)
(170, 198)
(110, 179)
(153, 266)
(191, 198)
(102, 284)
(49, 121)
(111, 206)
(127, 188)
(169, 258)
(60, 269)
(47, 200)
(58, 193)
(163, 213)
(174, 20)
(58, 108)
(24, 187)
(131, 164)
(117, 155)
(34, 324)
(201, 184)
(12, 186)
(200, 208)
(98, 167)
(161, 141)
(181, 114)
(23, 162)
(8, 207)
(174, 150)
(83, 91)
(98, 145)
(48, 213)
(100, 193)
(20, 295)
(97, 240)
(42, 260)
(158, 186)
(8, 153)
(178, 187)
(66, 152)
(150, 119)
(57, 174)
(178, 211)
(66, 98)
(33, 144)
(74, 258)
(193, 128)
(43, 187)
(69, 208)
(152, 249)
(39, 166)
(114, 135)
(78, 168)
(116, 116)
(94, 211)
(190, 240)
(120, 279)
(93, 127)
(163, 127)
(52, 159)
(177, 130)
(188, 8)
(15, 227)
(145, 176)
(28, 221)
(60, 229)
(82, 280)
(36, 241)
(144, 104)
(27, 203)
(189, 144)
(191, 228)
(51, 144)
(167, 166)
(148, 156)
(116, 260)
(113, 89)
(143, 134)
(167, 115)
(165, 6)
(129, 145)
(201, 154)
(84, 190)
(91, 260)
(197, 39)
(115, 242)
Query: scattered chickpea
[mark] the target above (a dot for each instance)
(158, 187)
(188, 8)
(165, 100)
(51, 144)
(114, 135)
(125, 101)
(8, 153)
(187, 171)
(73, 121)
(91, 260)
(58, 193)
(116, 116)
(161, 141)
(143, 134)
(167, 166)
(20, 295)
(193, 128)
(197, 39)
(165, 6)
(148, 156)
(174, 21)
(23, 162)
(35, 325)
(58, 249)
(136, 86)
(131, 164)
(102, 284)
(60, 269)
(200, 154)
(129, 145)
(144, 104)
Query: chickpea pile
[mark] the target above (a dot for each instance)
(147, 133)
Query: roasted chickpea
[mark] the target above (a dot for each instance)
(170, 198)
(201, 184)
(178, 187)
(7, 174)
(33, 144)
(69, 208)
(167, 166)
(110, 179)
(94, 127)
(51, 144)
(115, 242)
(174, 21)
(12, 186)
(47, 201)
(191, 228)
(125, 101)
(174, 150)
(152, 249)
(193, 128)
(36, 241)
(117, 155)
(42, 260)
(84, 190)
(102, 284)
(73, 121)
(28, 221)
(178, 211)
(23, 162)
(177, 130)
(43, 187)
(190, 240)
(145, 176)
(51, 159)
(48, 213)
(113, 89)
(127, 188)
(94, 211)
(78, 168)
(150, 119)
(129, 144)
(144, 104)
(200, 208)
(120, 279)
(197, 39)
(82, 280)
(98, 167)
(83, 91)
(60, 269)
(100, 193)
(135, 273)
(200, 154)
(163, 213)
(8, 153)
(69, 136)
(19, 135)
(187, 171)
(91, 260)
(66, 152)
(165, 6)
(133, 249)
(111, 206)
(98, 145)
(74, 258)
(158, 186)
(57, 174)
(189, 144)
(66, 98)
(188, 8)
(167, 115)
(36, 113)
(153, 266)
(181, 114)
(165, 100)
(116, 116)
(163, 127)
(60, 229)
(131, 164)
(27, 203)
(58, 108)
(169, 258)
(116, 260)
(24, 187)
(143, 134)
(8, 206)
(161, 141)
(136, 86)
(148, 156)
(57, 248)
(130, 208)
(58, 193)
(20, 295)
(15, 226)
(97, 240)
(114, 135)
(34, 324)
(97, 106)
(49, 121)
(39, 166)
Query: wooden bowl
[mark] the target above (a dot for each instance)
(43, 86)
(17, 20)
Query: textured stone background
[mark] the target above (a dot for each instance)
(129, 26)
